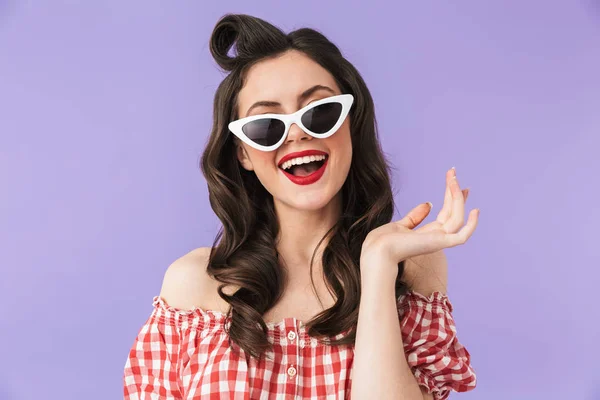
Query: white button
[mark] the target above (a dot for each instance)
(291, 335)
(291, 371)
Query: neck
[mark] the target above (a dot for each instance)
(300, 232)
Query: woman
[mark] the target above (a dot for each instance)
(309, 291)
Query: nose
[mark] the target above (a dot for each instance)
(297, 134)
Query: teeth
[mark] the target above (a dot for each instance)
(301, 160)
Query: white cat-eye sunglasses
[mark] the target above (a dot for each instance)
(319, 119)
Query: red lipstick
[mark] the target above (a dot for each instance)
(309, 179)
(301, 154)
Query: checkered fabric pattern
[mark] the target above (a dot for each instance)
(184, 354)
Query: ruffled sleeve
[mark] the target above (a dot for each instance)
(152, 366)
(439, 362)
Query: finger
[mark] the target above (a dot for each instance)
(465, 233)
(445, 212)
(457, 215)
(466, 193)
(415, 216)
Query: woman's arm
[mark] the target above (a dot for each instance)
(380, 369)
(380, 364)
(427, 338)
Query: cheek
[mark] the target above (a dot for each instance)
(264, 164)
(341, 145)
(342, 137)
(260, 159)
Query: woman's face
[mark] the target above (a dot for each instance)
(283, 80)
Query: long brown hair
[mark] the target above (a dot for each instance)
(244, 252)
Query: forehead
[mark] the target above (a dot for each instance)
(283, 79)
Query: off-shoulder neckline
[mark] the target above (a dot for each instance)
(221, 316)
(272, 325)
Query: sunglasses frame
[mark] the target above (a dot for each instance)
(345, 100)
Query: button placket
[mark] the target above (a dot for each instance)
(290, 335)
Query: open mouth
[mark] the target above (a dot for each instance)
(304, 169)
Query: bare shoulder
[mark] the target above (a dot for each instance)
(427, 273)
(186, 284)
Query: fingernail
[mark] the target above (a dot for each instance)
(430, 204)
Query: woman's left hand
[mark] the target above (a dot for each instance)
(398, 240)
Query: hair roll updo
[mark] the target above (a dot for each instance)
(244, 251)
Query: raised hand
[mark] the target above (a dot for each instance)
(399, 240)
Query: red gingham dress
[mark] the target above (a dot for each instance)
(184, 354)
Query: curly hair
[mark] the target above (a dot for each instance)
(244, 253)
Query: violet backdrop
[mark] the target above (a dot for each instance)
(105, 108)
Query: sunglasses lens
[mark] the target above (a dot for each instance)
(265, 132)
(322, 118)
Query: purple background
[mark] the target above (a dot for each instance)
(105, 108)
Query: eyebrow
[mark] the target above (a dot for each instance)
(307, 93)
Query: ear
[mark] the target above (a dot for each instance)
(242, 156)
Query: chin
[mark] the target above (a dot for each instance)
(310, 203)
